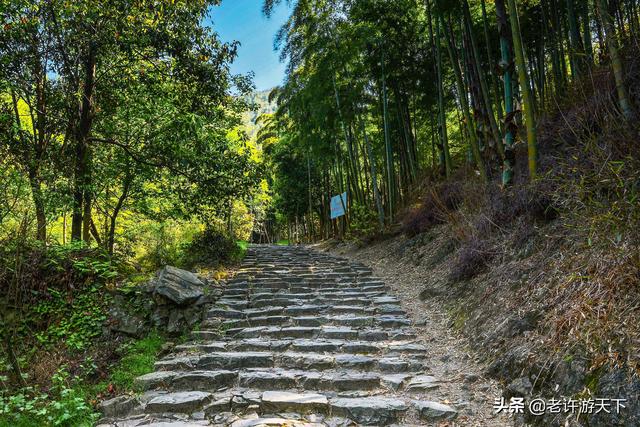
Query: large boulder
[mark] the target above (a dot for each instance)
(179, 286)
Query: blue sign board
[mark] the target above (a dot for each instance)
(338, 205)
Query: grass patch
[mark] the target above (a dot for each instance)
(283, 242)
(139, 360)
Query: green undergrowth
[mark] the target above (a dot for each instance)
(138, 360)
(71, 400)
(243, 245)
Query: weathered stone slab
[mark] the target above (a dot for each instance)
(156, 379)
(273, 422)
(203, 380)
(394, 381)
(354, 361)
(369, 411)
(431, 411)
(180, 286)
(178, 402)
(338, 332)
(297, 402)
(278, 380)
(316, 345)
(236, 360)
(423, 383)
(119, 406)
(305, 360)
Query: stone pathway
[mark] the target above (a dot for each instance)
(298, 338)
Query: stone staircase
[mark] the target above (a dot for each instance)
(298, 338)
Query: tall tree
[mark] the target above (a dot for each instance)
(525, 89)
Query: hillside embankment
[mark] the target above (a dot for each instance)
(545, 315)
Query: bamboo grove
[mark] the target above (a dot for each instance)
(379, 92)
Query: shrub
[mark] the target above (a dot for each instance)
(363, 222)
(473, 258)
(434, 208)
(211, 248)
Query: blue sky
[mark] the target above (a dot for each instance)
(242, 20)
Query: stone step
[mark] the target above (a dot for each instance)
(207, 358)
(311, 293)
(397, 348)
(305, 288)
(354, 321)
(312, 299)
(212, 380)
(243, 312)
(298, 338)
(331, 295)
(373, 410)
(322, 332)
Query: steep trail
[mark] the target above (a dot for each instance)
(298, 338)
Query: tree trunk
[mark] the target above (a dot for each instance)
(509, 120)
(523, 78)
(374, 176)
(82, 180)
(387, 143)
(484, 90)
(38, 202)
(442, 120)
(464, 103)
(616, 61)
(577, 53)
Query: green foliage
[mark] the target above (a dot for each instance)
(93, 263)
(164, 243)
(211, 248)
(76, 321)
(66, 402)
(63, 405)
(363, 222)
(139, 359)
(56, 293)
(243, 245)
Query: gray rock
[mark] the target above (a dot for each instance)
(354, 361)
(430, 411)
(154, 380)
(118, 407)
(306, 361)
(268, 379)
(126, 323)
(219, 405)
(299, 402)
(570, 375)
(179, 286)
(180, 402)
(615, 383)
(235, 360)
(204, 380)
(269, 422)
(520, 387)
(394, 381)
(422, 383)
(369, 411)
(176, 323)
